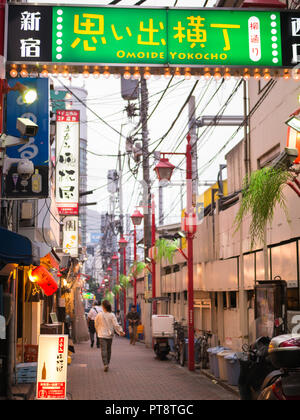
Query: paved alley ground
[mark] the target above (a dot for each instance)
(135, 374)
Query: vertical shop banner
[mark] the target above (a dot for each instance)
(67, 161)
(36, 149)
(290, 28)
(52, 367)
(29, 33)
(71, 235)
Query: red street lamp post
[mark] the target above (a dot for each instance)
(115, 258)
(122, 244)
(136, 218)
(164, 172)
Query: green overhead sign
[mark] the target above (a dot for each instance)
(183, 37)
(141, 36)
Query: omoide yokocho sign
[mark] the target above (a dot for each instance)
(160, 37)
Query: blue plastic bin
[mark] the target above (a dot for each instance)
(209, 351)
(171, 344)
(196, 350)
(214, 359)
(233, 369)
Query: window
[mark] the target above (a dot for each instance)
(224, 299)
(292, 299)
(232, 299)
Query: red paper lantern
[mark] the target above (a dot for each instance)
(45, 280)
(190, 223)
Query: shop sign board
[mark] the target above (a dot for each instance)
(52, 367)
(67, 161)
(71, 235)
(36, 149)
(158, 36)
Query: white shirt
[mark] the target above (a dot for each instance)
(94, 311)
(106, 323)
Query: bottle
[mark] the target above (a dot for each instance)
(36, 182)
(44, 373)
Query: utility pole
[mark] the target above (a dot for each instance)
(146, 174)
(194, 138)
(147, 202)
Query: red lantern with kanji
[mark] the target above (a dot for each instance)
(190, 223)
(44, 279)
(152, 253)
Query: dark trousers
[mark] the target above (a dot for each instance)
(105, 344)
(92, 337)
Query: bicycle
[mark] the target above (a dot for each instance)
(203, 343)
(179, 344)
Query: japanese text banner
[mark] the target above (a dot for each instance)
(143, 36)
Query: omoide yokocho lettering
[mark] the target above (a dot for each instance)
(174, 55)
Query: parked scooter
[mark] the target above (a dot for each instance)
(270, 369)
(255, 366)
(162, 330)
(283, 384)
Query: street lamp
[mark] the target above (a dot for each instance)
(28, 94)
(115, 258)
(164, 170)
(122, 244)
(136, 218)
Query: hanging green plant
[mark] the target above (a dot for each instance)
(116, 289)
(137, 268)
(124, 281)
(166, 249)
(109, 295)
(261, 194)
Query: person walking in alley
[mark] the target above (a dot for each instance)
(133, 319)
(106, 323)
(91, 322)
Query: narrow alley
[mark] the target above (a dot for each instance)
(135, 374)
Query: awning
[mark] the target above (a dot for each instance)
(14, 248)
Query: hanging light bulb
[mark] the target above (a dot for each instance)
(286, 75)
(13, 72)
(24, 72)
(167, 73)
(267, 75)
(117, 75)
(86, 72)
(44, 72)
(247, 74)
(147, 73)
(96, 72)
(187, 73)
(106, 73)
(136, 74)
(227, 75)
(177, 73)
(127, 74)
(207, 74)
(256, 74)
(65, 72)
(296, 74)
(217, 74)
(55, 71)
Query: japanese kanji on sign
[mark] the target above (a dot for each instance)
(183, 37)
(67, 161)
(52, 367)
